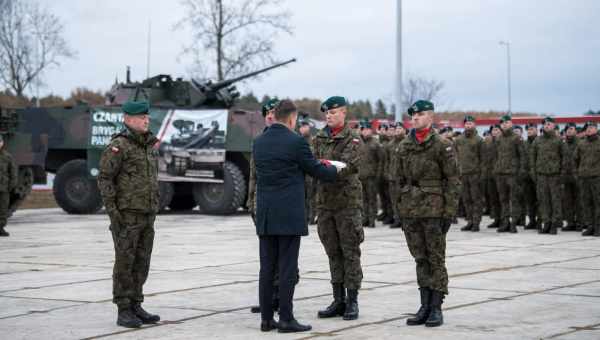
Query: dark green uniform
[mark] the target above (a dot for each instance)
(383, 181)
(429, 199)
(396, 177)
(547, 164)
(339, 207)
(128, 182)
(587, 162)
(529, 198)
(309, 191)
(488, 158)
(371, 155)
(468, 153)
(510, 164)
(8, 181)
(570, 200)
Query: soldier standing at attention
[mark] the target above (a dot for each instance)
(468, 153)
(490, 156)
(510, 164)
(587, 162)
(8, 181)
(371, 154)
(547, 165)
(339, 204)
(386, 216)
(429, 203)
(529, 187)
(395, 173)
(570, 189)
(128, 183)
(518, 130)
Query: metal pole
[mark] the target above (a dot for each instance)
(149, 49)
(509, 76)
(399, 85)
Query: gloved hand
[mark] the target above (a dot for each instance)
(445, 224)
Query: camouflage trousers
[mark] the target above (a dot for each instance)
(369, 194)
(133, 242)
(550, 198)
(395, 198)
(529, 201)
(427, 245)
(309, 198)
(4, 203)
(341, 234)
(492, 197)
(570, 200)
(472, 198)
(384, 196)
(508, 193)
(590, 200)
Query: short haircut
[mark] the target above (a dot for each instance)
(284, 109)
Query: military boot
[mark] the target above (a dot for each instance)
(127, 318)
(365, 222)
(546, 228)
(475, 227)
(521, 221)
(532, 223)
(589, 231)
(371, 224)
(504, 226)
(554, 227)
(494, 224)
(338, 306)
(512, 227)
(388, 220)
(423, 312)
(351, 312)
(597, 230)
(570, 227)
(468, 227)
(435, 316)
(3, 232)
(397, 223)
(143, 315)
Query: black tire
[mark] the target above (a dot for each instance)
(222, 198)
(165, 194)
(73, 191)
(182, 202)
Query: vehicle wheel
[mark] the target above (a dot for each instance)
(24, 185)
(74, 192)
(182, 202)
(165, 195)
(222, 198)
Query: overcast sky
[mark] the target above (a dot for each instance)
(347, 47)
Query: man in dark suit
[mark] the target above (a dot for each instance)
(282, 158)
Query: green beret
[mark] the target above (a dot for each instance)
(570, 124)
(469, 119)
(530, 125)
(548, 120)
(579, 129)
(136, 108)
(333, 103)
(420, 106)
(517, 127)
(505, 118)
(269, 105)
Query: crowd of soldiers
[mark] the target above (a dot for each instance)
(545, 182)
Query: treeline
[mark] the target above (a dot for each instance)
(80, 94)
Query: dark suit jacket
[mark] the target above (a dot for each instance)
(281, 158)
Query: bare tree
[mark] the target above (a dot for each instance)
(416, 88)
(31, 40)
(237, 36)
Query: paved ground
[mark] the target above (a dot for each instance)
(55, 283)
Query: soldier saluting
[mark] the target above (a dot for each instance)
(128, 183)
(429, 204)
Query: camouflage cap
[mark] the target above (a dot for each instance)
(333, 103)
(547, 120)
(136, 108)
(420, 106)
(469, 118)
(505, 118)
(269, 105)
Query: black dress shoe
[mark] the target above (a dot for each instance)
(255, 309)
(268, 325)
(292, 326)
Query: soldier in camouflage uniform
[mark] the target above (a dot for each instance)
(396, 173)
(510, 164)
(489, 159)
(429, 204)
(468, 152)
(570, 188)
(587, 162)
(547, 165)
(339, 204)
(371, 155)
(387, 215)
(8, 181)
(528, 185)
(309, 182)
(128, 183)
(518, 130)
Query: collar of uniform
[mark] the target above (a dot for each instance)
(326, 132)
(140, 138)
(430, 135)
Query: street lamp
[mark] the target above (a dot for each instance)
(399, 90)
(507, 44)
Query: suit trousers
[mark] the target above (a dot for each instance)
(278, 253)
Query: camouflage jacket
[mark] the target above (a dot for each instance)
(546, 155)
(527, 147)
(468, 153)
(371, 155)
(587, 157)
(510, 155)
(432, 185)
(8, 172)
(128, 178)
(385, 161)
(251, 202)
(346, 191)
(395, 169)
(488, 158)
(570, 146)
